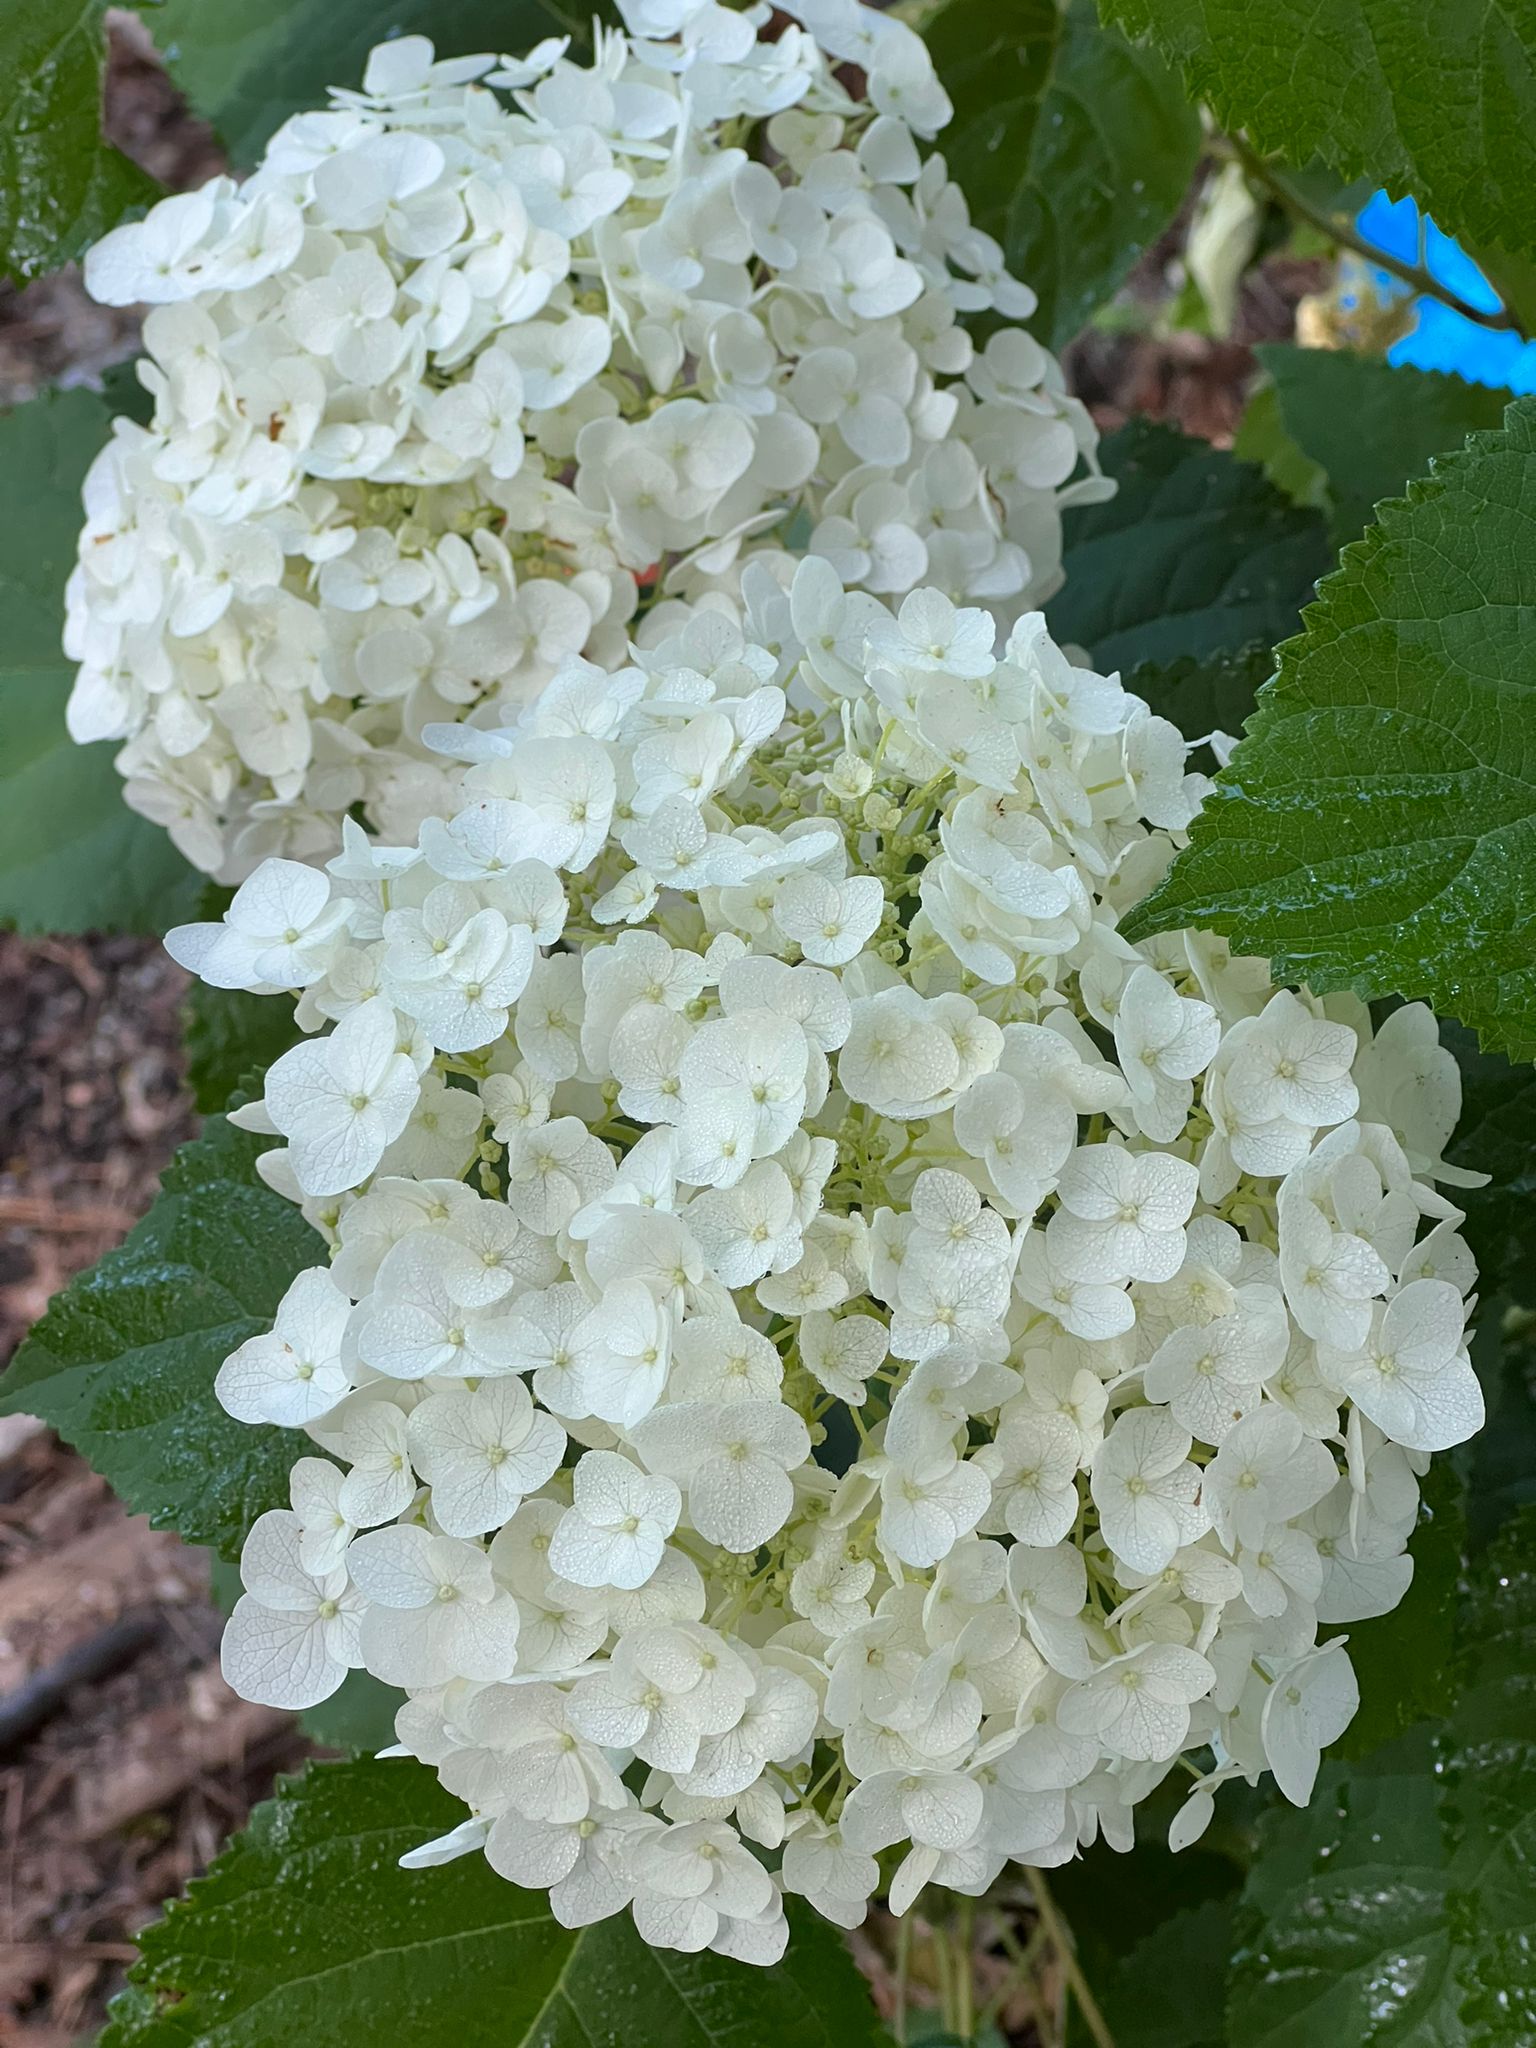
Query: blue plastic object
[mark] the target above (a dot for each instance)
(1440, 338)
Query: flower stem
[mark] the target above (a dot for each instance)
(903, 1973)
(965, 1970)
(1060, 1938)
(1337, 229)
(1022, 1956)
(943, 1970)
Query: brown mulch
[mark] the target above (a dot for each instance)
(142, 1762)
(1191, 380)
(124, 1759)
(91, 1105)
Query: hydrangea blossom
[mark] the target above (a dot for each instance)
(827, 1350)
(495, 363)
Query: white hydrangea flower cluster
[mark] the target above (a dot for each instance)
(827, 1346)
(455, 387)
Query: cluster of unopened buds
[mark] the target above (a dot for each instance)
(828, 1352)
(498, 362)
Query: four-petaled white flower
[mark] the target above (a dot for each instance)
(1148, 1494)
(482, 1452)
(615, 1532)
(340, 1100)
(293, 1635)
(434, 1610)
(734, 1458)
(292, 1374)
(1412, 1375)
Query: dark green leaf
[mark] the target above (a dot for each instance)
(1376, 829)
(1072, 147)
(1167, 1992)
(1369, 426)
(1429, 97)
(1489, 1802)
(1405, 1660)
(1497, 1630)
(1342, 1935)
(1325, 192)
(61, 185)
(1496, 1135)
(1500, 1461)
(1196, 554)
(1117, 1903)
(359, 1716)
(123, 393)
(246, 68)
(926, 2029)
(123, 1363)
(1204, 696)
(306, 1932)
(228, 1034)
(73, 857)
(1399, 1908)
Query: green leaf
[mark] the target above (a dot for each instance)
(1496, 1135)
(1343, 1937)
(1072, 147)
(306, 1931)
(1489, 1804)
(1500, 1461)
(1261, 437)
(1497, 1629)
(1213, 695)
(1376, 829)
(73, 857)
(1431, 98)
(1166, 1992)
(246, 68)
(1370, 426)
(359, 1716)
(123, 1363)
(1399, 1907)
(61, 185)
(926, 2029)
(1405, 1660)
(1196, 554)
(1116, 1902)
(228, 1033)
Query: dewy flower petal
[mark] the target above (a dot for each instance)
(341, 1099)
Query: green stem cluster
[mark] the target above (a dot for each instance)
(953, 1949)
(1337, 229)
